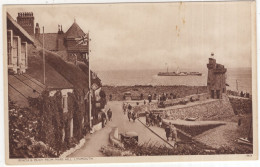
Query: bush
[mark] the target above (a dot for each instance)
(23, 128)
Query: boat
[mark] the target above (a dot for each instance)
(178, 73)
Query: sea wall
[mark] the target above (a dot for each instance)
(241, 105)
(212, 109)
(178, 91)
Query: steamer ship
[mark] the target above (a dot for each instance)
(178, 73)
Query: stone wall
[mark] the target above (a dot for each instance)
(241, 105)
(213, 109)
(178, 91)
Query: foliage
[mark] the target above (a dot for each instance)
(23, 127)
(53, 120)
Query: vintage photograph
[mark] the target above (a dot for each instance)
(127, 80)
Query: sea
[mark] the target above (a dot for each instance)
(237, 78)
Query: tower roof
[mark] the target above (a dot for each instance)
(74, 31)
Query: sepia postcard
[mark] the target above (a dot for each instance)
(130, 82)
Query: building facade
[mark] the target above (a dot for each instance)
(17, 41)
(216, 82)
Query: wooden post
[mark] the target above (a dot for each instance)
(43, 55)
(89, 80)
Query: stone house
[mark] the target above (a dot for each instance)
(64, 44)
(64, 82)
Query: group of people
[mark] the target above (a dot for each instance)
(153, 119)
(171, 131)
(127, 108)
(242, 94)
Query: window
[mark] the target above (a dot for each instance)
(9, 46)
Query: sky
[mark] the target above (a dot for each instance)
(135, 36)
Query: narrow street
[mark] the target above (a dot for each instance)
(100, 138)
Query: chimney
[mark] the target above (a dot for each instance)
(26, 20)
(37, 31)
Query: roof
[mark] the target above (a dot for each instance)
(59, 73)
(50, 41)
(54, 80)
(20, 87)
(94, 78)
(74, 31)
(12, 24)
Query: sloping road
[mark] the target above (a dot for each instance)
(100, 138)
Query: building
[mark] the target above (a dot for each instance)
(64, 44)
(63, 86)
(216, 78)
(17, 41)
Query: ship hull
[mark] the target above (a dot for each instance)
(179, 74)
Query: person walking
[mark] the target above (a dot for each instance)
(159, 119)
(150, 98)
(174, 133)
(134, 116)
(151, 118)
(147, 120)
(103, 118)
(124, 108)
(109, 114)
(168, 132)
(129, 115)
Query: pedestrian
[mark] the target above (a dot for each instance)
(147, 120)
(168, 132)
(241, 94)
(129, 107)
(134, 116)
(174, 133)
(109, 114)
(110, 97)
(129, 115)
(103, 117)
(150, 98)
(124, 108)
(155, 119)
(151, 118)
(155, 96)
(144, 102)
(159, 119)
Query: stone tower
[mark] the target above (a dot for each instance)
(26, 20)
(216, 78)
